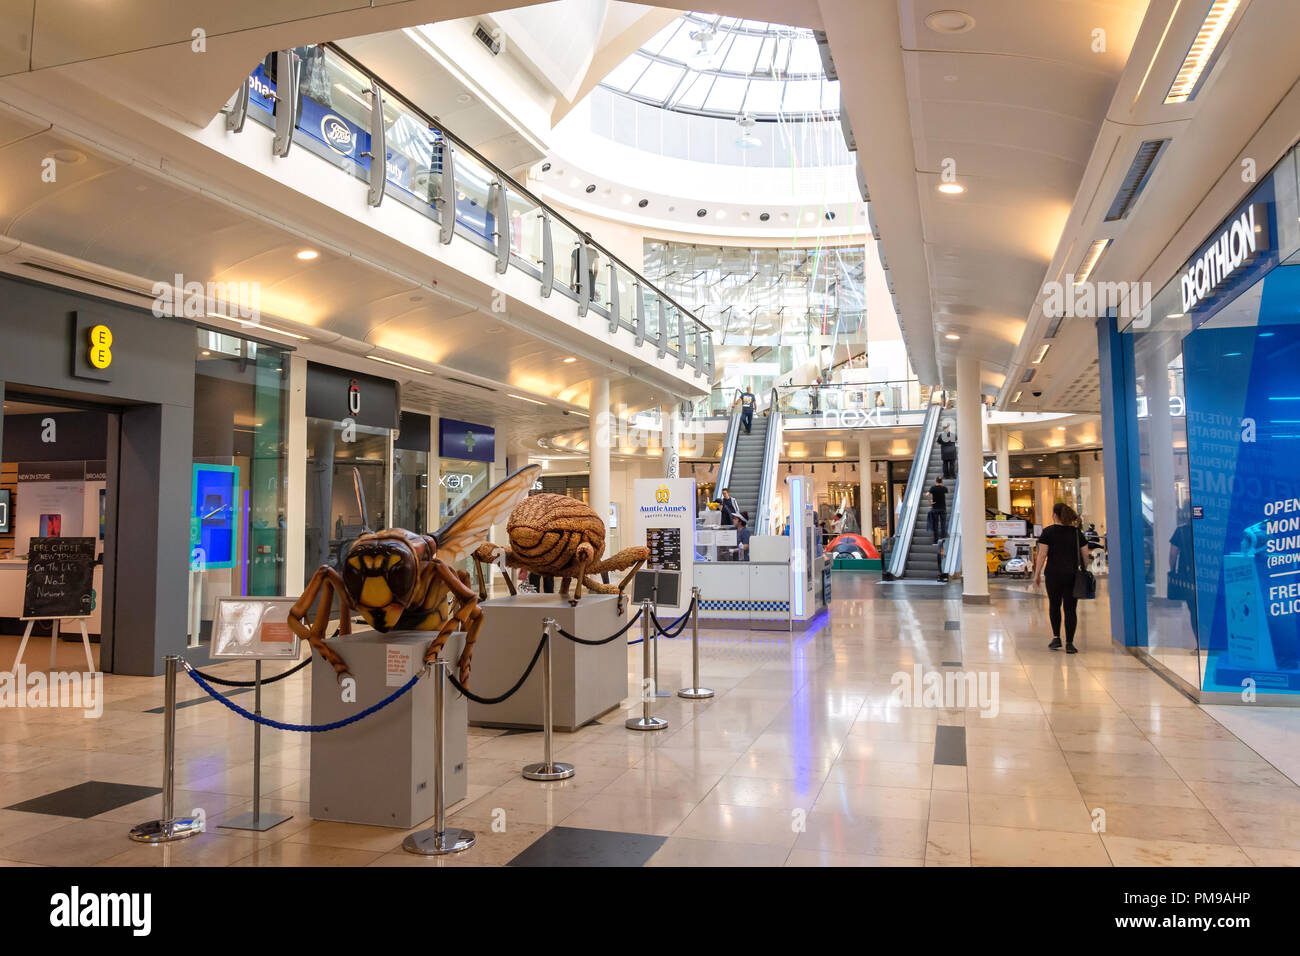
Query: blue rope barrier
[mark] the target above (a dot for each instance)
(302, 728)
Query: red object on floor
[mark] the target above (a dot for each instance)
(853, 541)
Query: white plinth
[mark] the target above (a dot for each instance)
(587, 681)
(379, 770)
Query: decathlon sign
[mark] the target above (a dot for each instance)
(1240, 241)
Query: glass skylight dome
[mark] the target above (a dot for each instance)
(729, 67)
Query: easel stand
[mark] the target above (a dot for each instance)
(54, 640)
(256, 820)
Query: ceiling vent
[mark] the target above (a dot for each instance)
(1028, 376)
(1053, 327)
(489, 38)
(461, 381)
(1136, 179)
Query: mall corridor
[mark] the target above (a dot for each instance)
(807, 756)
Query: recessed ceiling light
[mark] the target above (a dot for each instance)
(950, 21)
(951, 189)
(1202, 51)
(627, 200)
(721, 214)
(1042, 353)
(546, 167)
(463, 98)
(306, 255)
(830, 214)
(570, 360)
(1090, 260)
(952, 336)
(524, 399)
(388, 361)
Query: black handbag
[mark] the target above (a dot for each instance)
(1085, 582)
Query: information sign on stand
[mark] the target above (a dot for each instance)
(256, 629)
(60, 586)
(664, 521)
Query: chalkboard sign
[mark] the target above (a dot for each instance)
(60, 578)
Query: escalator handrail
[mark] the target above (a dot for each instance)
(728, 455)
(771, 465)
(952, 547)
(915, 488)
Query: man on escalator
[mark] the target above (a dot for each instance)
(939, 510)
(748, 402)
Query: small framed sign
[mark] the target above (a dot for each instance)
(254, 628)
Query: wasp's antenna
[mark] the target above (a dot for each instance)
(361, 498)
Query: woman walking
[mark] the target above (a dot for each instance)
(1063, 549)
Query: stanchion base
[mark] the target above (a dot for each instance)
(165, 831)
(695, 693)
(432, 843)
(551, 771)
(263, 821)
(645, 723)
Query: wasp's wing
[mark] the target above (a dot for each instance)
(469, 529)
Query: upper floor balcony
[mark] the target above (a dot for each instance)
(477, 216)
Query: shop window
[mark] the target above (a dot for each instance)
(237, 507)
(347, 487)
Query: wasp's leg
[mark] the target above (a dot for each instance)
(471, 618)
(458, 585)
(325, 583)
(478, 573)
(503, 558)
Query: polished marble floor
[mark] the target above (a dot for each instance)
(806, 757)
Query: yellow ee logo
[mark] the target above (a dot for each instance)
(661, 495)
(100, 354)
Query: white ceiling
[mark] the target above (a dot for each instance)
(1012, 105)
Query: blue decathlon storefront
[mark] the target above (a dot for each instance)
(1203, 412)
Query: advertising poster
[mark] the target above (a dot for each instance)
(1243, 422)
(664, 518)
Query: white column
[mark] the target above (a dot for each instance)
(598, 447)
(670, 436)
(864, 487)
(1004, 472)
(295, 505)
(970, 482)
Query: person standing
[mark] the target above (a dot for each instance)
(948, 451)
(748, 402)
(939, 509)
(742, 536)
(816, 395)
(728, 506)
(1062, 550)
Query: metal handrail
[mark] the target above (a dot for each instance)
(510, 181)
(771, 465)
(728, 455)
(952, 547)
(912, 494)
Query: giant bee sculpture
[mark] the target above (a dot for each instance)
(400, 580)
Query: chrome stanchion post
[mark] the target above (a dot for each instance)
(256, 820)
(646, 721)
(439, 840)
(167, 828)
(548, 769)
(658, 691)
(695, 691)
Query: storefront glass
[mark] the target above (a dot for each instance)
(463, 483)
(1217, 418)
(347, 486)
(237, 511)
(410, 489)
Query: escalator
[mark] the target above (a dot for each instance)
(915, 551)
(749, 466)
